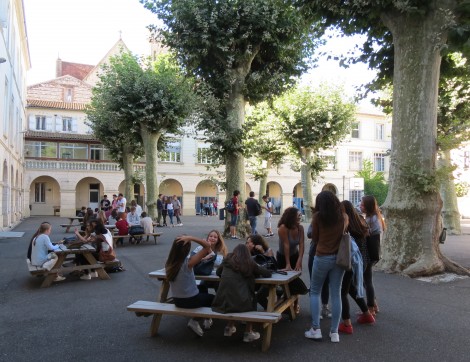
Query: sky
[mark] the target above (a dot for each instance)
(82, 31)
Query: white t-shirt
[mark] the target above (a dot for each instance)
(121, 204)
(269, 206)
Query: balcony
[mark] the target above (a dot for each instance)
(76, 166)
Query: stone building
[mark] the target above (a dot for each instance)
(68, 168)
(14, 63)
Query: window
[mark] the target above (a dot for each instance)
(379, 162)
(355, 197)
(40, 192)
(73, 151)
(99, 153)
(68, 95)
(172, 152)
(66, 124)
(355, 160)
(330, 162)
(5, 111)
(40, 149)
(355, 130)
(40, 123)
(204, 155)
(379, 131)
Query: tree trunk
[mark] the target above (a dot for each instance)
(306, 181)
(413, 204)
(128, 168)
(150, 140)
(235, 162)
(450, 209)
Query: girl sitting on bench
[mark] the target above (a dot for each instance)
(180, 274)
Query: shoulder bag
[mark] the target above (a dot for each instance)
(343, 258)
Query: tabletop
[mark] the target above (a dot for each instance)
(275, 279)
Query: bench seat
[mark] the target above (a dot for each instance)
(147, 308)
(155, 236)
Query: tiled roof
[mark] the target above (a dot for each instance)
(45, 135)
(55, 105)
(76, 70)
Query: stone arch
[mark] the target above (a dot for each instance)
(298, 197)
(247, 189)
(5, 194)
(88, 192)
(44, 194)
(139, 193)
(274, 192)
(206, 189)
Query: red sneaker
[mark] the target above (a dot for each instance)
(343, 328)
(366, 319)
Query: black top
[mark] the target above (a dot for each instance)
(251, 206)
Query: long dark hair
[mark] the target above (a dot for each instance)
(178, 252)
(357, 225)
(372, 208)
(289, 218)
(240, 260)
(41, 229)
(257, 239)
(329, 209)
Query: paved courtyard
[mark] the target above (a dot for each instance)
(87, 320)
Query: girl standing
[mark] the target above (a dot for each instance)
(236, 293)
(328, 224)
(170, 209)
(376, 225)
(180, 274)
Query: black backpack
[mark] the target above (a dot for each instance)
(230, 207)
(259, 210)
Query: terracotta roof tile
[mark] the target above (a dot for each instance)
(76, 70)
(45, 135)
(55, 105)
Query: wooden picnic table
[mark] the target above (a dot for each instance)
(274, 305)
(87, 251)
(71, 223)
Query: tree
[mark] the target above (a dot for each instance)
(417, 31)
(374, 182)
(265, 145)
(245, 50)
(313, 120)
(109, 124)
(453, 129)
(151, 100)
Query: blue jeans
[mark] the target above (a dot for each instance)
(171, 213)
(323, 267)
(253, 221)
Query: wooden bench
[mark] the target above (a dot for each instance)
(155, 236)
(146, 308)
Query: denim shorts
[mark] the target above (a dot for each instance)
(233, 220)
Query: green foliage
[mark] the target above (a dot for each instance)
(462, 188)
(374, 182)
(314, 119)
(425, 182)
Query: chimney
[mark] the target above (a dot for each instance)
(58, 68)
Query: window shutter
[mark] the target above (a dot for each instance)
(48, 123)
(74, 125)
(32, 122)
(58, 123)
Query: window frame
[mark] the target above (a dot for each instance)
(359, 160)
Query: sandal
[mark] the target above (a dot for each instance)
(297, 308)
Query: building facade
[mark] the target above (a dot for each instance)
(68, 168)
(14, 63)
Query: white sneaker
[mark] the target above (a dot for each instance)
(228, 331)
(59, 278)
(94, 274)
(250, 336)
(196, 328)
(207, 324)
(334, 337)
(314, 334)
(85, 277)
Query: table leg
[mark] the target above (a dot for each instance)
(101, 272)
(156, 319)
(292, 313)
(268, 327)
(67, 229)
(50, 277)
